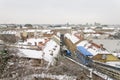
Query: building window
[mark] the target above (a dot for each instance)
(104, 56)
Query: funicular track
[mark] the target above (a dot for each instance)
(84, 69)
(113, 72)
(102, 71)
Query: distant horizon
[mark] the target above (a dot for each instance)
(59, 11)
(54, 24)
(62, 23)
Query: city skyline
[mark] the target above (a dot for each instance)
(59, 11)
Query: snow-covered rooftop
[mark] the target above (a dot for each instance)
(91, 48)
(93, 35)
(56, 37)
(88, 31)
(111, 45)
(30, 30)
(58, 34)
(63, 27)
(30, 53)
(108, 28)
(73, 38)
(46, 31)
(32, 41)
(36, 30)
(50, 51)
(8, 32)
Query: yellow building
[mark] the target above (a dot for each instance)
(107, 57)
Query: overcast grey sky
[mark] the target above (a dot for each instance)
(60, 11)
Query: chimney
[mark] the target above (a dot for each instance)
(101, 47)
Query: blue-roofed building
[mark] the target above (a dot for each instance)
(84, 51)
(83, 55)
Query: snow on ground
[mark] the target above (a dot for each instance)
(58, 77)
(114, 63)
(102, 75)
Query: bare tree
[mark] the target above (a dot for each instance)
(117, 35)
(28, 25)
(8, 38)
